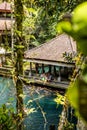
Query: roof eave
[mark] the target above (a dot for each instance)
(57, 63)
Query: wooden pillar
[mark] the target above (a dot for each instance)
(36, 67)
(59, 77)
(66, 72)
(30, 72)
(50, 68)
(59, 71)
(54, 70)
(42, 68)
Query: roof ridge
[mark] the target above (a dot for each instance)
(46, 42)
(53, 49)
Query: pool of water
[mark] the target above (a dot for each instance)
(41, 100)
(7, 92)
(47, 111)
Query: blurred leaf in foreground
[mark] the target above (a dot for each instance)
(77, 27)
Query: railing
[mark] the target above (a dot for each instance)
(52, 83)
(5, 71)
(36, 79)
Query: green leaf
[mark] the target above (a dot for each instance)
(79, 21)
(60, 99)
(77, 95)
(19, 46)
(73, 94)
(80, 14)
(82, 98)
(4, 118)
(30, 110)
(82, 45)
(20, 115)
(64, 26)
(77, 27)
(22, 95)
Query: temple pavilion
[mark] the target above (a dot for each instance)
(55, 57)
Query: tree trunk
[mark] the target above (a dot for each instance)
(19, 61)
(19, 90)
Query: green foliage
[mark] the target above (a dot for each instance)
(65, 123)
(68, 126)
(77, 95)
(64, 26)
(30, 15)
(50, 12)
(68, 57)
(60, 99)
(73, 94)
(26, 65)
(7, 120)
(77, 28)
(19, 46)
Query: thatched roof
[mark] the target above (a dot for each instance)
(5, 7)
(53, 50)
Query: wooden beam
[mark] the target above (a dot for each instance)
(56, 63)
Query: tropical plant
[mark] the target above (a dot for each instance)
(77, 92)
(49, 14)
(7, 118)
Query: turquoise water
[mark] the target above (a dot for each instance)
(43, 101)
(7, 92)
(46, 111)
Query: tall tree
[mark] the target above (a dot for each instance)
(19, 60)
